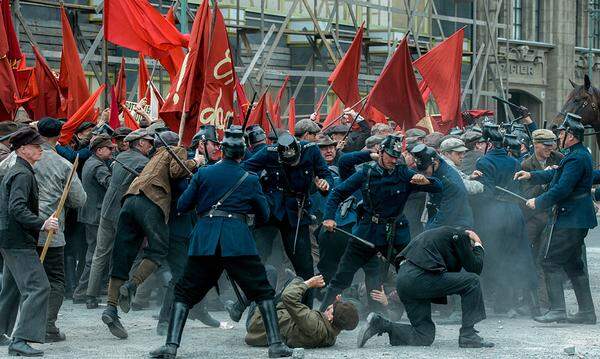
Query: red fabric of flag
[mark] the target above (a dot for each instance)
(48, 102)
(258, 116)
(121, 84)
(292, 115)
(87, 112)
(8, 87)
(395, 93)
(14, 53)
(242, 102)
(190, 79)
(173, 60)
(27, 85)
(72, 81)
(143, 78)
(335, 112)
(441, 70)
(128, 120)
(113, 121)
(219, 79)
(344, 79)
(276, 109)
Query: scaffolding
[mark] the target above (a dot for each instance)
(324, 27)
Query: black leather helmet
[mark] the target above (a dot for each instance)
(424, 156)
(255, 134)
(288, 149)
(572, 124)
(392, 145)
(233, 145)
(491, 132)
(512, 144)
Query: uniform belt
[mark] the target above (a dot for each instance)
(379, 220)
(218, 213)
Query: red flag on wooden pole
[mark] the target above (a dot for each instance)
(121, 84)
(14, 53)
(276, 110)
(441, 71)
(113, 121)
(8, 88)
(143, 78)
(48, 102)
(334, 114)
(344, 79)
(258, 116)
(87, 112)
(395, 93)
(292, 115)
(72, 81)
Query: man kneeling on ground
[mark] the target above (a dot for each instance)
(429, 270)
(300, 326)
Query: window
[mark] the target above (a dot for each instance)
(538, 20)
(594, 25)
(517, 28)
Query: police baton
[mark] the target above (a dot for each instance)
(366, 243)
(511, 193)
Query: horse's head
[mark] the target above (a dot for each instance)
(583, 101)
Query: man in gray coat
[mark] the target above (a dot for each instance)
(95, 177)
(52, 173)
(20, 224)
(126, 165)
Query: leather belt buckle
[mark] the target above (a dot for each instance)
(375, 219)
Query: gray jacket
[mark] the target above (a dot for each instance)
(51, 173)
(95, 177)
(472, 186)
(120, 181)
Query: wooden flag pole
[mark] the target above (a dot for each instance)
(61, 204)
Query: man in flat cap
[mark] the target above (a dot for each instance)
(544, 155)
(306, 130)
(415, 135)
(6, 130)
(96, 176)
(51, 173)
(119, 137)
(338, 134)
(124, 170)
(20, 224)
(477, 146)
(453, 152)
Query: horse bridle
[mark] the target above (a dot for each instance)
(581, 107)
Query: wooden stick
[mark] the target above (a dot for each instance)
(61, 204)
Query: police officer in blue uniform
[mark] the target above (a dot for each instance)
(385, 187)
(451, 206)
(509, 270)
(257, 138)
(293, 169)
(207, 143)
(224, 195)
(573, 215)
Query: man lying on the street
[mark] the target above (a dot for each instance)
(300, 326)
(429, 270)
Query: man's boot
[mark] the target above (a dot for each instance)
(111, 318)
(376, 325)
(586, 313)
(53, 334)
(176, 325)
(127, 290)
(277, 349)
(20, 347)
(470, 339)
(235, 309)
(329, 298)
(556, 296)
(91, 302)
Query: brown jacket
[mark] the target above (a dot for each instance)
(154, 181)
(300, 326)
(529, 164)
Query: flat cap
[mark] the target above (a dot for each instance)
(324, 141)
(49, 127)
(337, 129)
(84, 126)
(433, 139)
(544, 136)
(102, 140)
(415, 132)
(453, 145)
(306, 126)
(138, 134)
(158, 126)
(122, 132)
(372, 141)
(25, 136)
(472, 137)
(7, 128)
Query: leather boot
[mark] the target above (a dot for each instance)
(53, 334)
(111, 319)
(277, 349)
(556, 296)
(470, 339)
(126, 294)
(376, 325)
(235, 310)
(91, 302)
(329, 298)
(586, 313)
(19, 347)
(176, 325)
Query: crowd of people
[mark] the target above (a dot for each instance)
(485, 216)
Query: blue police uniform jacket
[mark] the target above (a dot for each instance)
(208, 186)
(388, 192)
(453, 208)
(285, 185)
(569, 189)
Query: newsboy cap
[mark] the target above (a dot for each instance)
(453, 145)
(49, 127)
(25, 136)
(102, 140)
(544, 136)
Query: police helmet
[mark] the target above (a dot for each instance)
(572, 124)
(424, 156)
(256, 134)
(233, 144)
(288, 149)
(392, 145)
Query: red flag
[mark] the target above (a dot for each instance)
(258, 116)
(72, 81)
(143, 78)
(424, 90)
(344, 78)
(319, 105)
(48, 102)
(8, 87)
(121, 84)
(242, 102)
(395, 93)
(129, 120)
(14, 51)
(172, 62)
(190, 79)
(219, 80)
(170, 16)
(87, 112)
(292, 115)
(27, 85)
(276, 109)
(113, 121)
(480, 113)
(441, 70)
(137, 25)
(335, 112)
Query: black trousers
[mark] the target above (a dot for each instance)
(301, 256)
(417, 288)
(139, 218)
(564, 252)
(176, 258)
(54, 265)
(202, 273)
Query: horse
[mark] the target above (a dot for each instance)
(584, 100)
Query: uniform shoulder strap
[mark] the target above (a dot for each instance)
(230, 192)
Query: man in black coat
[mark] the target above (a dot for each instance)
(429, 270)
(20, 225)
